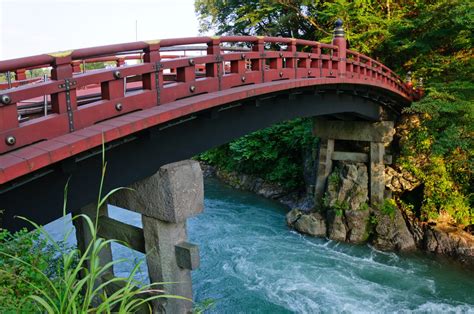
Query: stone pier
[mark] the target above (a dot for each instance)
(165, 201)
(377, 134)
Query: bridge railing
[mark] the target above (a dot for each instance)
(228, 62)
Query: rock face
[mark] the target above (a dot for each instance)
(392, 233)
(448, 240)
(400, 180)
(346, 197)
(347, 215)
(251, 183)
(348, 186)
(336, 226)
(357, 225)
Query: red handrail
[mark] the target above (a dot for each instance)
(162, 79)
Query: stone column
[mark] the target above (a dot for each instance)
(376, 173)
(326, 148)
(166, 200)
(84, 236)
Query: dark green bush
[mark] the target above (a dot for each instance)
(274, 154)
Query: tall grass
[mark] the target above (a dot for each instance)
(79, 285)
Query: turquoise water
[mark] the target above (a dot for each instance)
(252, 263)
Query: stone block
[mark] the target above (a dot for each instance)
(382, 131)
(173, 194)
(187, 255)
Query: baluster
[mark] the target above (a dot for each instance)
(20, 74)
(120, 62)
(316, 65)
(76, 66)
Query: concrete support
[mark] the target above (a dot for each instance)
(84, 236)
(166, 200)
(326, 149)
(376, 173)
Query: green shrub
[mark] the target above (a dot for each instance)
(389, 207)
(274, 154)
(15, 277)
(440, 151)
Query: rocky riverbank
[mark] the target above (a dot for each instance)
(345, 215)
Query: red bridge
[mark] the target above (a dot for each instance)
(166, 107)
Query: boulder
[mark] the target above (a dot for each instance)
(392, 233)
(292, 216)
(313, 224)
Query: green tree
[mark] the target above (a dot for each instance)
(431, 38)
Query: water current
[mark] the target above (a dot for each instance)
(252, 263)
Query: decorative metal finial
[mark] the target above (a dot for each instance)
(338, 29)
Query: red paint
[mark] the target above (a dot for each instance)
(224, 77)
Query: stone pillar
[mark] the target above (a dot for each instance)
(376, 133)
(166, 200)
(376, 173)
(326, 148)
(84, 236)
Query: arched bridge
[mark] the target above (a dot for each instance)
(167, 106)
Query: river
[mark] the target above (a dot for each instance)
(252, 263)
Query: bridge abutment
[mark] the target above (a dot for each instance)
(165, 201)
(377, 134)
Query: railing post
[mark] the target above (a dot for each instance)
(153, 81)
(291, 62)
(64, 101)
(259, 64)
(8, 115)
(215, 69)
(339, 40)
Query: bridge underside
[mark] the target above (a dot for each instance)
(39, 196)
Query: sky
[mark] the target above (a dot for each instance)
(31, 27)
